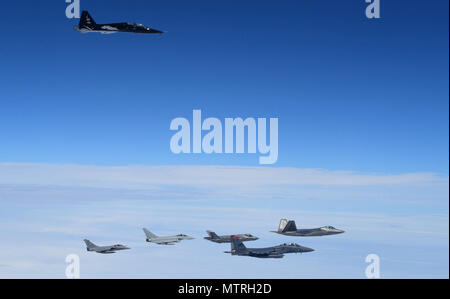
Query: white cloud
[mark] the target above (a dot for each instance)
(199, 176)
(48, 209)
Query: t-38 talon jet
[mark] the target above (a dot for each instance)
(104, 249)
(238, 248)
(165, 240)
(288, 228)
(87, 24)
(227, 238)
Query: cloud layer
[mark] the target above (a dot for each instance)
(47, 210)
(200, 176)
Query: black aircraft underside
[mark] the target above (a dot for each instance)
(118, 27)
(266, 255)
(87, 24)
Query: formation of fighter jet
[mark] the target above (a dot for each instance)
(104, 249)
(238, 248)
(227, 238)
(165, 240)
(288, 228)
(87, 24)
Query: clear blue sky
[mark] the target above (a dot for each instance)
(350, 93)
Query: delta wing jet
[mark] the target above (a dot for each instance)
(165, 240)
(87, 24)
(104, 249)
(238, 248)
(288, 228)
(227, 238)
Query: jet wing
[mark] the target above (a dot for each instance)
(166, 242)
(273, 254)
(112, 28)
(277, 256)
(266, 252)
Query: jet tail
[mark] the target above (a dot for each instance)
(212, 234)
(149, 234)
(86, 20)
(89, 244)
(282, 225)
(289, 226)
(237, 246)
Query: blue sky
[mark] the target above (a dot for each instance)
(361, 103)
(350, 93)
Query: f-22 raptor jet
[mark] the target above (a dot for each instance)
(288, 228)
(87, 24)
(227, 238)
(165, 240)
(238, 248)
(104, 249)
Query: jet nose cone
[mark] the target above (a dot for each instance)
(307, 249)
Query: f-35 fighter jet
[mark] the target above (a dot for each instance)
(87, 24)
(104, 249)
(227, 238)
(288, 228)
(166, 240)
(238, 248)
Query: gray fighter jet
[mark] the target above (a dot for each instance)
(227, 238)
(104, 249)
(166, 240)
(288, 228)
(238, 248)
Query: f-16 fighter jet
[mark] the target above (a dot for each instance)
(227, 239)
(238, 248)
(104, 249)
(288, 228)
(167, 240)
(87, 24)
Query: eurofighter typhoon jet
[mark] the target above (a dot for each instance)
(288, 228)
(238, 248)
(104, 249)
(227, 238)
(166, 240)
(87, 24)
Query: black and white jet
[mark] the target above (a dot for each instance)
(87, 24)
(288, 228)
